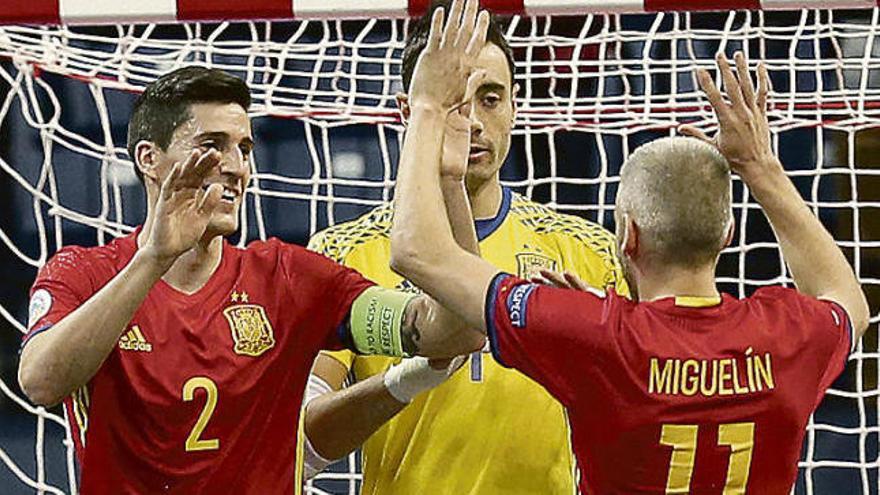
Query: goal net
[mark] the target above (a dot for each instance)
(593, 86)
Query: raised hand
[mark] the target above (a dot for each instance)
(744, 133)
(184, 207)
(457, 133)
(442, 71)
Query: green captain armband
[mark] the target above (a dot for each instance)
(376, 319)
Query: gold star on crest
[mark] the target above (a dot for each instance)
(244, 297)
(234, 296)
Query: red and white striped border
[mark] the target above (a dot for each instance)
(133, 11)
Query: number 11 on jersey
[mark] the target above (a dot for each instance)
(740, 437)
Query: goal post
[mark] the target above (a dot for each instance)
(597, 78)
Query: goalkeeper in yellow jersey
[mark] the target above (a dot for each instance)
(485, 429)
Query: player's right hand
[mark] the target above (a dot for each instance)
(184, 207)
(456, 144)
(564, 280)
(412, 376)
(441, 74)
(457, 133)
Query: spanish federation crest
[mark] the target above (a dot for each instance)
(529, 264)
(251, 329)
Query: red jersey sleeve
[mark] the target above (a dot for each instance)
(335, 286)
(833, 330)
(61, 286)
(532, 327)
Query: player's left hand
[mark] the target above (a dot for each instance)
(564, 280)
(441, 74)
(744, 132)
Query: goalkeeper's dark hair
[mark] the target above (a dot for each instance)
(165, 104)
(417, 40)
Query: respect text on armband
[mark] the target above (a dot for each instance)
(517, 304)
(379, 328)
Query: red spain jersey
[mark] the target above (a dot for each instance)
(667, 397)
(202, 394)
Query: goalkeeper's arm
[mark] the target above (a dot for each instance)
(390, 323)
(338, 421)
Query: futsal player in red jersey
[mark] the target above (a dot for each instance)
(182, 359)
(681, 390)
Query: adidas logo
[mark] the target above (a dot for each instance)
(134, 341)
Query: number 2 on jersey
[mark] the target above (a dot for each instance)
(193, 442)
(740, 437)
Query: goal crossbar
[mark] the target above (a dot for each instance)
(124, 11)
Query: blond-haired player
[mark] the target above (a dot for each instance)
(486, 430)
(682, 389)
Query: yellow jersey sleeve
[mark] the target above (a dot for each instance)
(345, 357)
(338, 242)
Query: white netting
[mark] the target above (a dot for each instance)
(593, 88)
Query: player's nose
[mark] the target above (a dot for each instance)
(476, 126)
(235, 163)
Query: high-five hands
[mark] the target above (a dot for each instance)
(456, 144)
(442, 73)
(744, 133)
(457, 133)
(184, 207)
(415, 375)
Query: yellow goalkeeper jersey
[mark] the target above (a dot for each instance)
(488, 430)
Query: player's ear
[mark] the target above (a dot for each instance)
(403, 106)
(146, 160)
(630, 243)
(731, 229)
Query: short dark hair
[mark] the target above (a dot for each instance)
(417, 40)
(165, 104)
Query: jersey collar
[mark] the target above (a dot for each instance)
(697, 301)
(485, 227)
(694, 307)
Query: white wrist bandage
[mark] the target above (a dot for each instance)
(415, 375)
(313, 463)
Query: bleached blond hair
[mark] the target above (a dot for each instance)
(677, 190)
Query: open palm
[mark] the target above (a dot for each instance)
(443, 68)
(184, 207)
